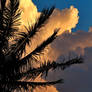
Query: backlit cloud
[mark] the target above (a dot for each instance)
(66, 19)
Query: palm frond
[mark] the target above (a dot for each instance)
(26, 85)
(44, 68)
(25, 38)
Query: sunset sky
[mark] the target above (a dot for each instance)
(70, 14)
(84, 7)
(78, 78)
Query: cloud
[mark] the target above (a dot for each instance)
(73, 41)
(29, 12)
(66, 19)
(78, 77)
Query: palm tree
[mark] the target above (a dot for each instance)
(11, 61)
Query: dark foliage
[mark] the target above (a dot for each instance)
(10, 54)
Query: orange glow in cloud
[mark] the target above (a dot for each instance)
(29, 12)
(65, 19)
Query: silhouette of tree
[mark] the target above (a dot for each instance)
(11, 53)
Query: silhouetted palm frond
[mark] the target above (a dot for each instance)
(45, 67)
(26, 85)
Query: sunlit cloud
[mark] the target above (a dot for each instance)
(65, 19)
(29, 13)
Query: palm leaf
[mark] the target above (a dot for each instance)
(25, 85)
(44, 68)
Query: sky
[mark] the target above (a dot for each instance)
(77, 78)
(84, 7)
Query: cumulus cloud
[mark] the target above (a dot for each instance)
(66, 19)
(76, 41)
(29, 12)
(78, 77)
